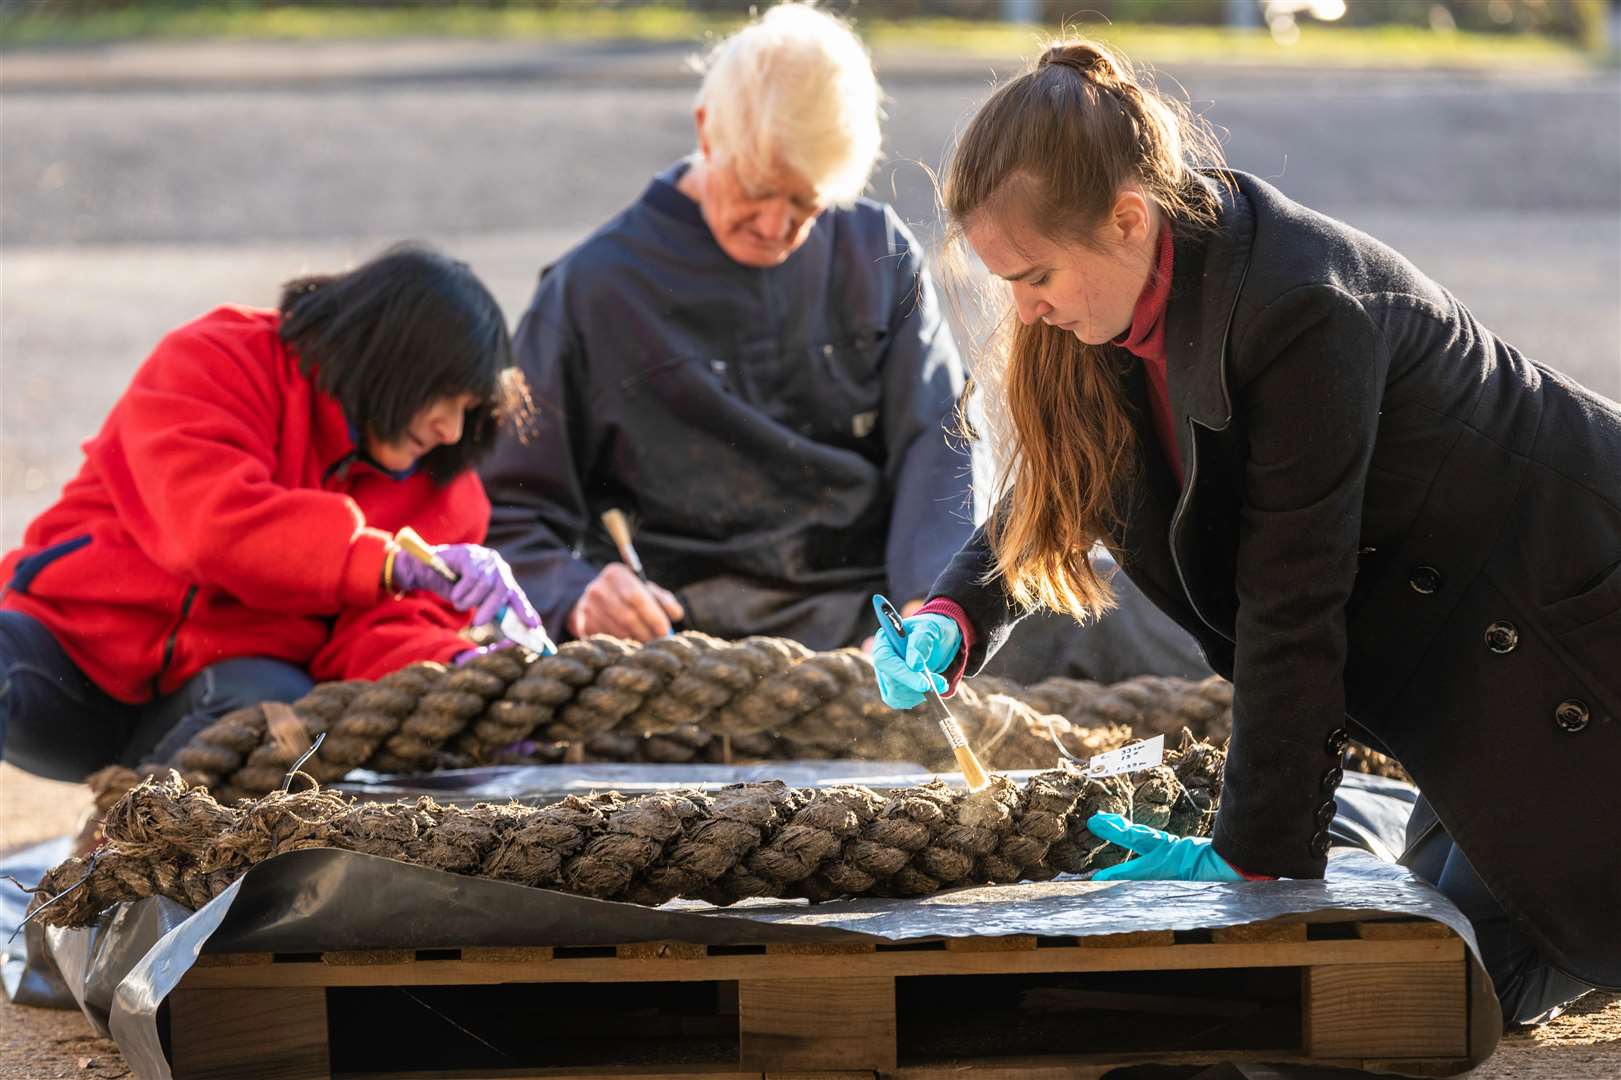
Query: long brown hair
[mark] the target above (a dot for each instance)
(1055, 146)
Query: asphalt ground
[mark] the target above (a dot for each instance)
(129, 203)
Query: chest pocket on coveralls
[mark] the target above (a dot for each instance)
(694, 446)
(830, 392)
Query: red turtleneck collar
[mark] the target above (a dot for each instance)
(1146, 338)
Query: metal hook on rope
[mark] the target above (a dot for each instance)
(89, 868)
(1064, 751)
(287, 781)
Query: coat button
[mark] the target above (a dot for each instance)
(1571, 715)
(1338, 739)
(1319, 843)
(1425, 580)
(1501, 637)
(1325, 814)
(1331, 780)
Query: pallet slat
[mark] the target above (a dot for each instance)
(799, 1024)
(1100, 1066)
(820, 948)
(278, 1034)
(661, 950)
(1391, 993)
(1387, 1010)
(1135, 939)
(369, 957)
(533, 954)
(1271, 930)
(779, 965)
(1402, 931)
(608, 1072)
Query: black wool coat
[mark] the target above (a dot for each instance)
(1393, 527)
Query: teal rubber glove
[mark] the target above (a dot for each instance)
(906, 667)
(1160, 855)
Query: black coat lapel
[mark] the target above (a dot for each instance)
(1207, 273)
(1142, 545)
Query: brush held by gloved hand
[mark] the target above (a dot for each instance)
(931, 645)
(1161, 856)
(484, 583)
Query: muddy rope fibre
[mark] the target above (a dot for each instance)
(168, 838)
(685, 698)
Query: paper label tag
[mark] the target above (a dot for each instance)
(1131, 758)
(536, 640)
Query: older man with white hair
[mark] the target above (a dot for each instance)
(750, 360)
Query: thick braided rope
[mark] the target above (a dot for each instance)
(676, 700)
(765, 839)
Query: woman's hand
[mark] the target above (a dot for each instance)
(1160, 855)
(485, 584)
(931, 645)
(872, 639)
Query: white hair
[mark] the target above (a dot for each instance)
(794, 87)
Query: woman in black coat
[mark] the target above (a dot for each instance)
(1378, 519)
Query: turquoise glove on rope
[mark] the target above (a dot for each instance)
(906, 668)
(1160, 855)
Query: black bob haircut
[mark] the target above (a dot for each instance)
(392, 336)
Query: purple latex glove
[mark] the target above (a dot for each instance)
(485, 586)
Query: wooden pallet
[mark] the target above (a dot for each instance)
(1386, 994)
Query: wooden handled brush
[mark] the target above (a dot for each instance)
(973, 773)
(533, 638)
(409, 539)
(618, 526)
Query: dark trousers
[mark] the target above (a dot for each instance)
(56, 723)
(1527, 983)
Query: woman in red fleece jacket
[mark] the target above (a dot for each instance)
(228, 539)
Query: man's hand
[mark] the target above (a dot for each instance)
(618, 603)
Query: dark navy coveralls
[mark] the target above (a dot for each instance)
(778, 435)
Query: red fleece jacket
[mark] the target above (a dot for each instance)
(221, 512)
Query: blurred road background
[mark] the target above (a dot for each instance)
(144, 183)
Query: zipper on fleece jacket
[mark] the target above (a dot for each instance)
(168, 643)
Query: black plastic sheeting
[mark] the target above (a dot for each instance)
(121, 970)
